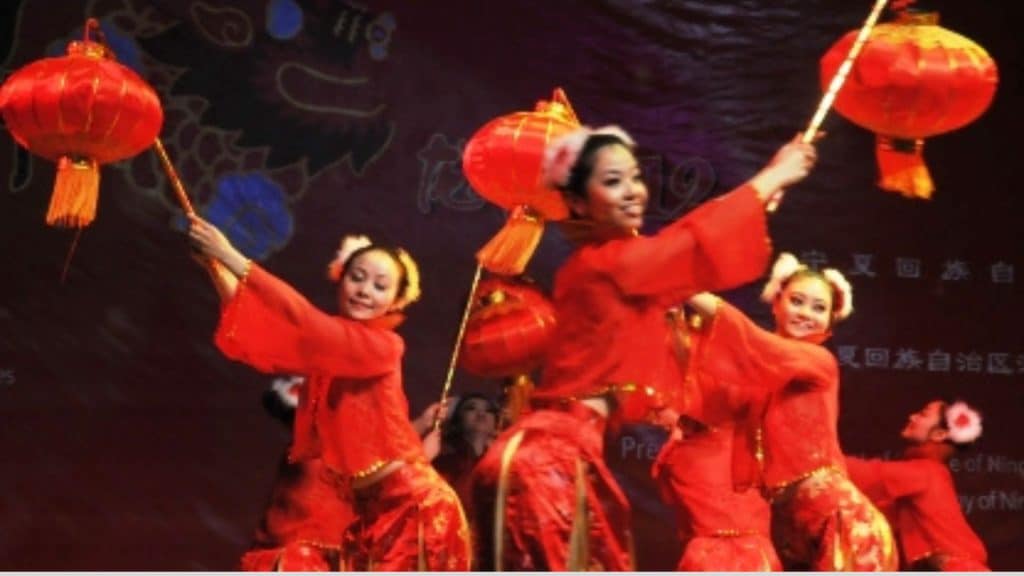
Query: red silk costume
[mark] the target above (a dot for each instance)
(352, 413)
(559, 492)
(560, 503)
(381, 540)
(722, 529)
(919, 498)
(304, 524)
(819, 519)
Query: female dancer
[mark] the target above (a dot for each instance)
(353, 413)
(917, 493)
(722, 528)
(543, 484)
(304, 525)
(820, 520)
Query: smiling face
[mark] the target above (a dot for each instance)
(804, 307)
(616, 196)
(369, 285)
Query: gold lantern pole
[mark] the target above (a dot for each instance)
(453, 361)
(93, 26)
(834, 86)
(214, 267)
(508, 252)
(172, 175)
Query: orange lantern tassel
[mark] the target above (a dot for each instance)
(901, 167)
(75, 193)
(510, 250)
(913, 80)
(502, 162)
(80, 110)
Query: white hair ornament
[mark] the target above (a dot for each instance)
(842, 286)
(349, 246)
(786, 265)
(964, 423)
(561, 155)
(287, 390)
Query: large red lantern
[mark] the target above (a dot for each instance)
(913, 79)
(502, 162)
(509, 328)
(80, 110)
(508, 331)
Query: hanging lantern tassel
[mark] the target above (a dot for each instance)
(901, 167)
(913, 80)
(509, 251)
(75, 193)
(502, 163)
(80, 110)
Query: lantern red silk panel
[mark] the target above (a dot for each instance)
(80, 110)
(509, 328)
(913, 79)
(502, 162)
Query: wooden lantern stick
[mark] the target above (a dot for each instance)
(834, 86)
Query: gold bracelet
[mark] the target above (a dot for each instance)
(246, 268)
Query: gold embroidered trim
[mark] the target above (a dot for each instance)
(734, 533)
(759, 449)
(319, 544)
(579, 535)
(373, 468)
(772, 492)
(245, 271)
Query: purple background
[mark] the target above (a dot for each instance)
(129, 442)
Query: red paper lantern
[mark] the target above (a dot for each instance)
(80, 110)
(913, 79)
(509, 329)
(502, 162)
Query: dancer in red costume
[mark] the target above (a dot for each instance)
(353, 414)
(543, 487)
(721, 528)
(917, 493)
(304, 525)
(305, 522)
(820, 520)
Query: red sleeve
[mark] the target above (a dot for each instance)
(867, 477)
(927, 519)
(883, 481)
(720, 245)
(737, 351)
(271, 327)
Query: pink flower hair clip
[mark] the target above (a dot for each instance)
(964, 423)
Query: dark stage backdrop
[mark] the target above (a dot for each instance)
(128, 442)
